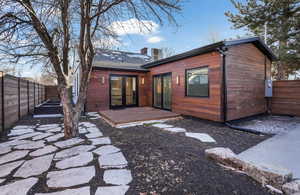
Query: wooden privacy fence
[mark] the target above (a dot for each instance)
(18, 97)
(286, 97)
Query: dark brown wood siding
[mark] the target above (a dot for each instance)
(201, 107)
(98, 93)
(286, 97)
(245, 70)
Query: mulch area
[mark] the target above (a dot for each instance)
(172, 164)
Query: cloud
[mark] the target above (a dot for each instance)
(107, 42)
(155, 39)
(134, 26)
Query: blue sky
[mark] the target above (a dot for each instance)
(197, 21)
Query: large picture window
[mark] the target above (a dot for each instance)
(197, 82)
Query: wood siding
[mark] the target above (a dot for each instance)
(201, 107)
(98, 93)
(245, 70)
(286, 97)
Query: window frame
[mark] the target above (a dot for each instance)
(186, 82)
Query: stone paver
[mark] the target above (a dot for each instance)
(34, 167)
(45, 150)
(203, 137)
(100, 141)
(115, 160)
(76, 161)
(109, 149)
(55, 137)
(117, 176)
(20, 187)
(112, 190)
(15, 155)
(20, 132)
(93, 129)
(32, 145)
(73, 151)
(55, 130)
(87, 124)
(78, 191)
(42, 136)
(162, 126)
(69, 142)
(82, 175)
(8, 168)
(4, 150)
(94, 135)
(28, 135)
(175, 129)
(23, 127)
(14, 143)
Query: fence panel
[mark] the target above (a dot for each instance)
(31, 96)
(286, 97)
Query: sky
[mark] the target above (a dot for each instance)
(197, 21)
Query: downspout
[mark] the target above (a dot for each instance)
(222, 51)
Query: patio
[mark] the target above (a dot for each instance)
(130, 115)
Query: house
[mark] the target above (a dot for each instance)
(220, 82)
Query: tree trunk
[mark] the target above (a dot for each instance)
(71, 117)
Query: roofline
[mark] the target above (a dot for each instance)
(215, 47)
(119, 69)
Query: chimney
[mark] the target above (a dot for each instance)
(144, 51)
(156, 54)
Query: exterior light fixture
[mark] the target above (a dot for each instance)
(103, 80)
(143, 81)
(177, 80)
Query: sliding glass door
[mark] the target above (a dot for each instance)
(162, 91)
(123, 91)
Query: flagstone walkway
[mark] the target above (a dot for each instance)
(39, 154)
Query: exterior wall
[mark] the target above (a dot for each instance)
(202, 107)
(285, 98)
(98, 93)
(245, 72)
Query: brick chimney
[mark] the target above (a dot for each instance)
(144, 51)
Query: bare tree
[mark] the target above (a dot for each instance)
(167, 52)
(48, 30)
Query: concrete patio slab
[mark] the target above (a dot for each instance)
(282, 150)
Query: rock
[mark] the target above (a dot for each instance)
(34, 167)
(175, 129)
(70, 177)
(19, 132)
(109, 149)
(268, 174)
(76, 161)
(20, 187)
(13, 156)
(42, 136)
(45, 150)
(55, 137)
(69, 142)
(8, 168)
(203, 137)
(224, 156)
(31, 145)
(100, 141)
(112, 190)
(73, 151)
(94, 135)
(162, 126)
(4, 150)
(115, 160)
(117, 176)
(291, 187)
(77, 191)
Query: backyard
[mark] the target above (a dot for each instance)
(159, 162)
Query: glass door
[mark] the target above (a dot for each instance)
(162, 91)
(123, 91)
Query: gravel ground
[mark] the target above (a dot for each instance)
(270, 124)
(167, 163)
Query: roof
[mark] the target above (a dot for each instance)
(120, 60)
(214, 47)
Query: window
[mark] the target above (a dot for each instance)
(197, 82)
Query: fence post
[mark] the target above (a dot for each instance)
(2, 101)
(19, 99)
